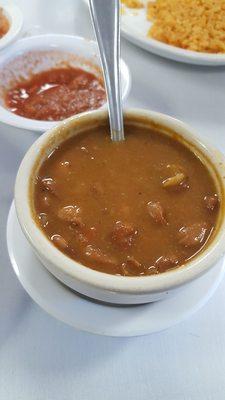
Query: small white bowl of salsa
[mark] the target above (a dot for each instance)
(47, 78)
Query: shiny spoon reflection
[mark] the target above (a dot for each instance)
(106, 20)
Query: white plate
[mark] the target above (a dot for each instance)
(135, 26)
(75, 50)
(15, 17)
(86, 315)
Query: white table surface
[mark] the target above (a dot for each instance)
(41, 358)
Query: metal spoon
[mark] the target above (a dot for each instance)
(106, 20)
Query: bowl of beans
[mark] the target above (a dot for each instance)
(128, 222)
(47, 78)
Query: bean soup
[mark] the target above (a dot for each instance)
(133, 208)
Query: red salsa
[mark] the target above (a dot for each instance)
(56, 94)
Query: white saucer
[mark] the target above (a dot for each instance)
(86, 315)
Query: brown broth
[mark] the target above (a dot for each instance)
(125, 216)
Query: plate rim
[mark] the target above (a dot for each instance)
(172, 52)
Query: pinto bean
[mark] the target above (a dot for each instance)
(49, 184)
(152, 270)
(60, 242)
(211, 202)
(164, 263)
(123, 234)
(156, 212)
(132, 267)
(43, 217)
(97, 255)
(193, 235)
(71, 214)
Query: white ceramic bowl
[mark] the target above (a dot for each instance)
(40, 53)
(15, 18)
(98, 285)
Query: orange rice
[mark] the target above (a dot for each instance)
(197, 25)
(133, 3)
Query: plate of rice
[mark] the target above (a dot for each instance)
(190, 31)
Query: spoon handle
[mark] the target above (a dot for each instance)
(106, 20)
